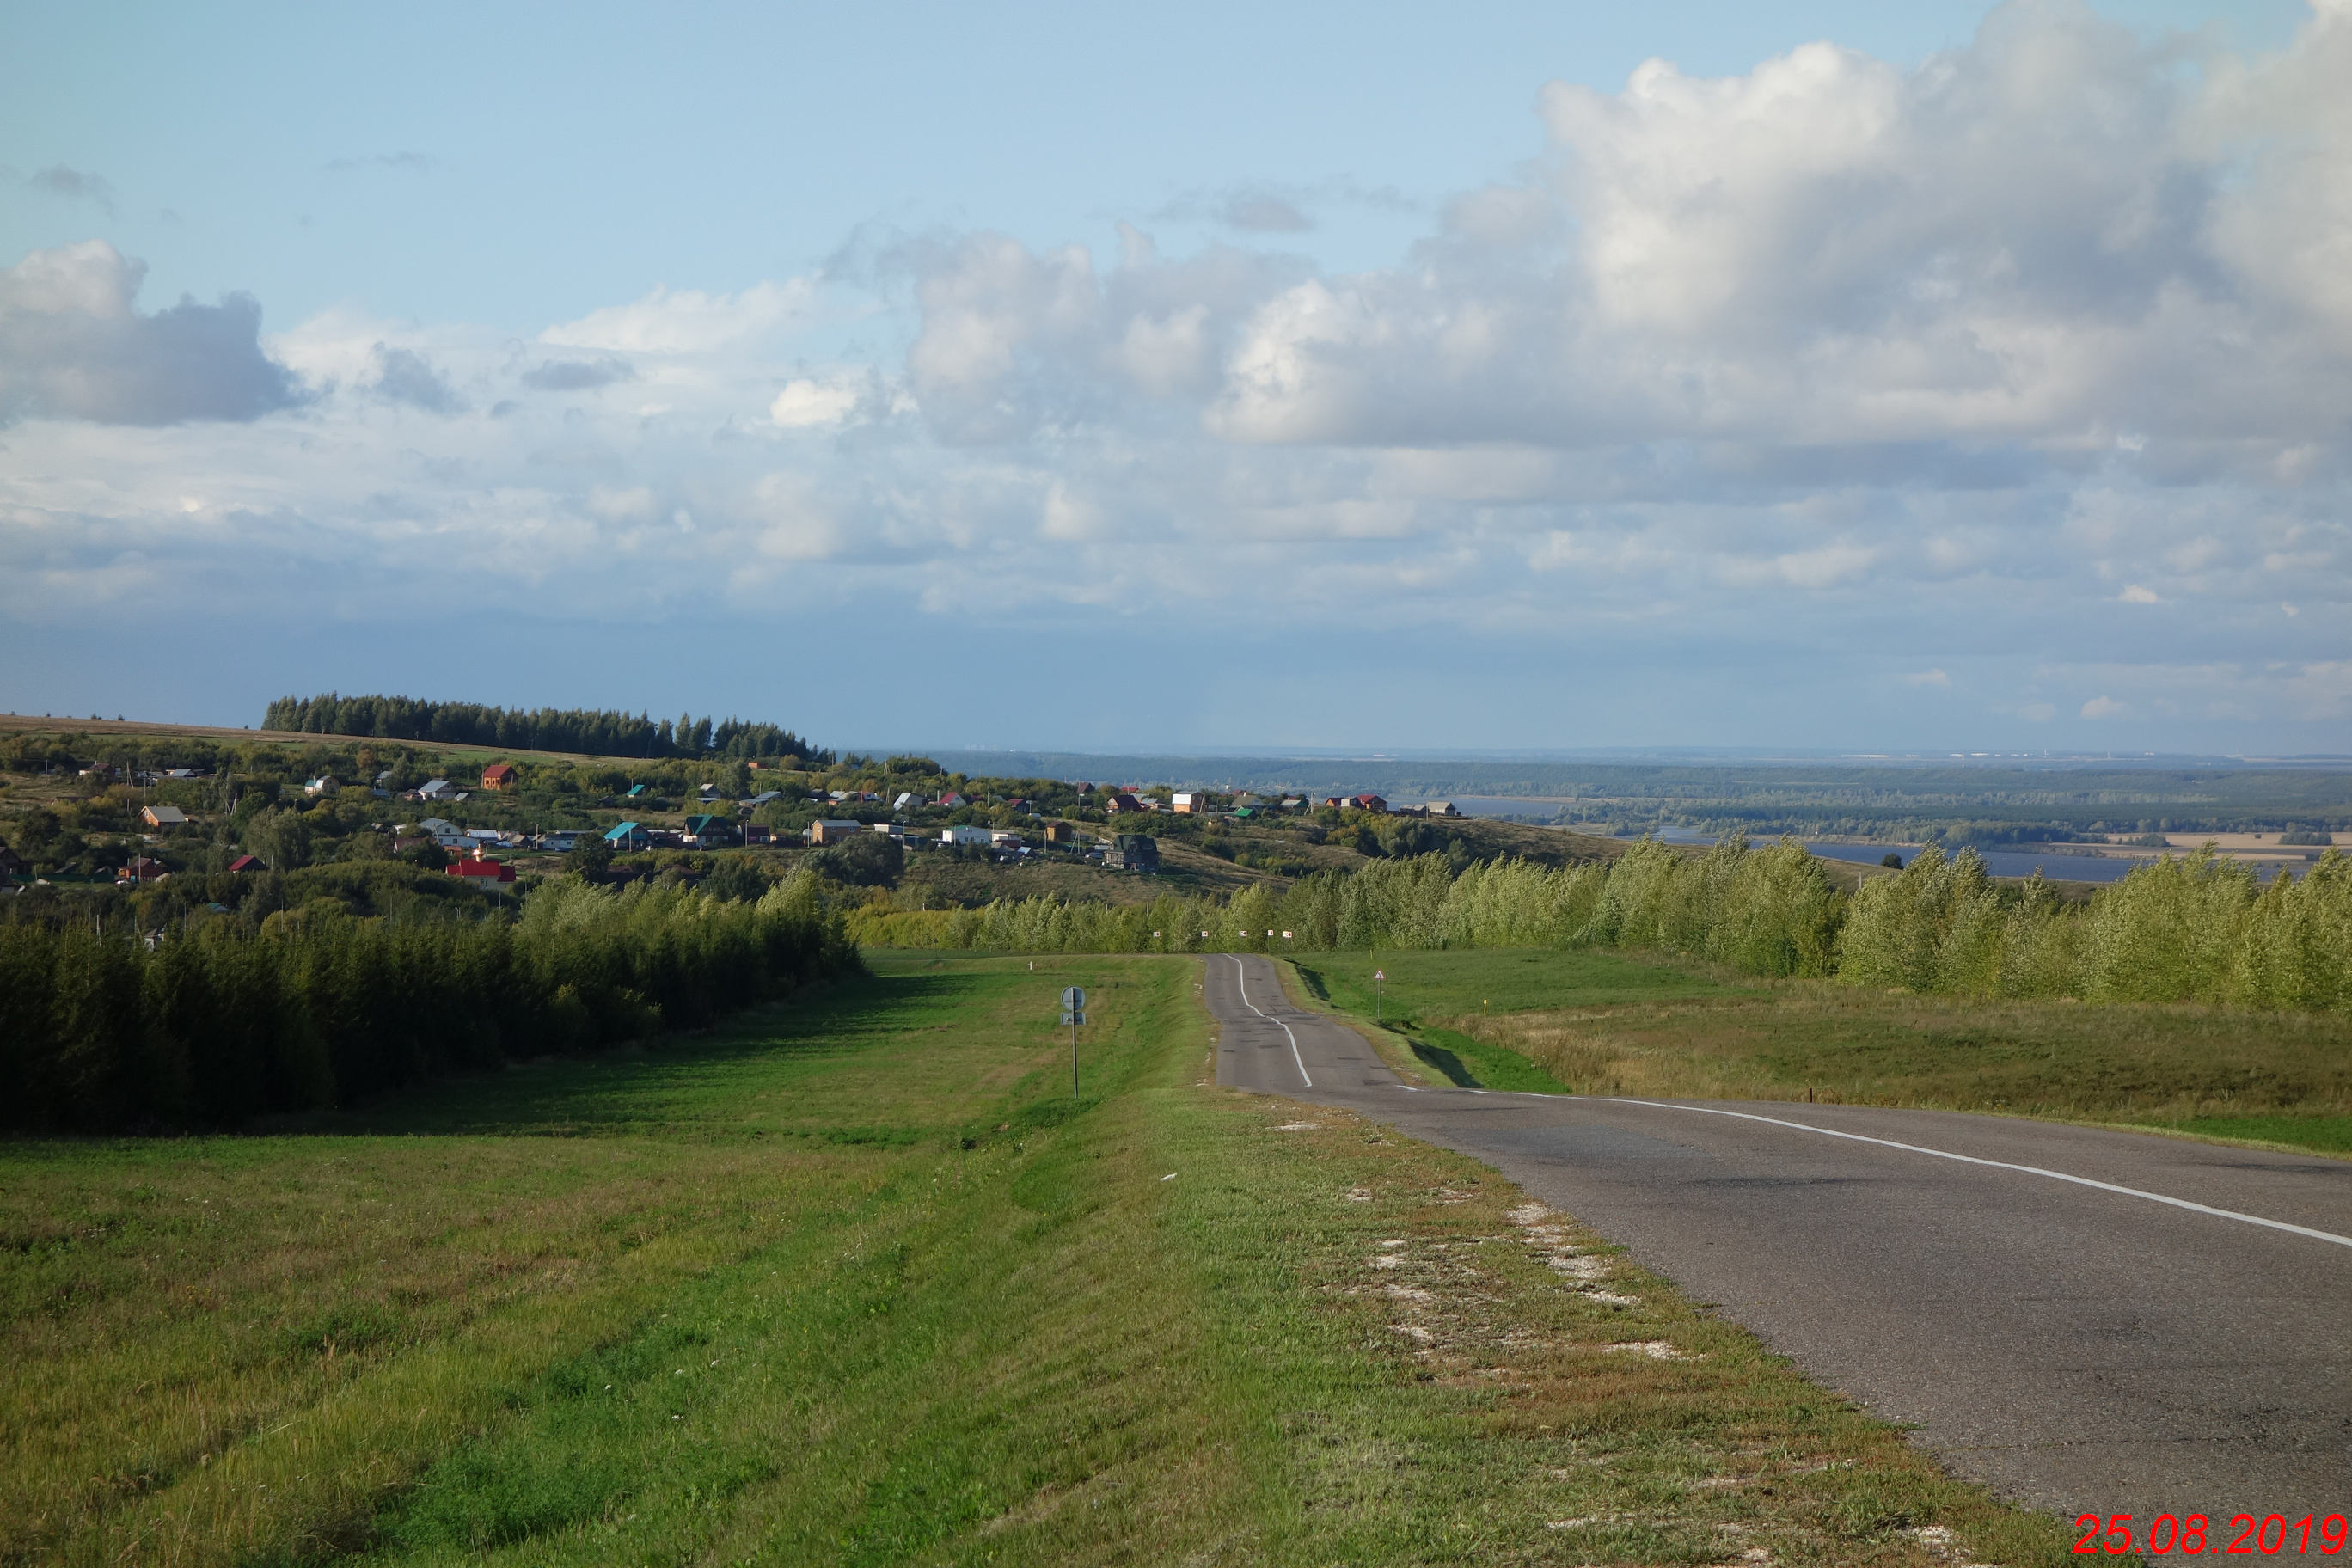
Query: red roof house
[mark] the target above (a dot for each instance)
(248, 863)
(499, 775)
(480, 867)
(1369, 802)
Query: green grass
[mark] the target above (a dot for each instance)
(1419, 986)
(855, 1282)
(2328, 1135)
(1601, 1024)
(1457, 984)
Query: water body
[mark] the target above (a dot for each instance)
(2112, 867)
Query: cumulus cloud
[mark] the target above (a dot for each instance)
(73, 345)
(1954, 370)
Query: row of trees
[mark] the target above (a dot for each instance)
(595, 731)
(320, 1009)
(2197, 929)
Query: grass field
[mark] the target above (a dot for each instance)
(1607, 1024)
(855, 1282)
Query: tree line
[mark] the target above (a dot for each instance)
(593, 732)
(2196, 929)
(319, 1008)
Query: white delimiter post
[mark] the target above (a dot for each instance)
(1074, 1013)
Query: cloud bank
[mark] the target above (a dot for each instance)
(2017, 378)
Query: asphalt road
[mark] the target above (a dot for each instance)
(2078, 1348)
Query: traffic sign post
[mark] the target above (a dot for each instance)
(1378, 976)
(1074, 1013)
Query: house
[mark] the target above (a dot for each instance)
(1332, 803)
(758, 833)
(635, 792)
(561, 842)
(9, 865)
(500, 775)
(142, 870)
(964, 833)
(834, 831)
(1189, 803)
(707, 794)
(1293, 803)
(1441, 809)
(1133, 852)
(951, 800)
(1004, 838)
(1369, 802)
(435, 789)
(248, 863)
(908, 800)
(709, 832)
(164, 816)
(186, 773)
(476, 837)
(762, 798)
(1061, 833)
(1122, 802)
(480, 869)
(627, 836)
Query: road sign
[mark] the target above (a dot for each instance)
(1074, 1018)
(1074, 997)
(1380, 974)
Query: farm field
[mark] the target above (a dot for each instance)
(1613, 1024)
(853, 1280)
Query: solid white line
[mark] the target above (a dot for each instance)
(1947, 1154)
(1243, 971)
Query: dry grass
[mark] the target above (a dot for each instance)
(2158, 1064)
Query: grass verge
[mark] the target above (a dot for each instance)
(856, 1281)
(1607, 1024)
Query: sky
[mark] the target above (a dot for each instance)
(1515, 376)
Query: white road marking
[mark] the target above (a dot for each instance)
(1938, 1153)
(1241, 969)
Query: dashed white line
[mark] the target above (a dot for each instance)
(1242, 971)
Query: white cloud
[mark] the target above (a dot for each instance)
(1882, 368)
(688, 320)
(74, 346)
(805, 402)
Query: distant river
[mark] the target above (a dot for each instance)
(2111, 867)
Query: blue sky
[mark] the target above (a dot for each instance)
(1805, 375)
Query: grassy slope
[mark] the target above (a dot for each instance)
(1605, 1024)
(852, 1283)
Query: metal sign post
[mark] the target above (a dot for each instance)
(1074, 1013)
(1378, 976)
